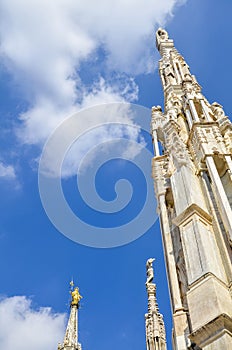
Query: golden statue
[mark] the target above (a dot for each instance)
(76, 297)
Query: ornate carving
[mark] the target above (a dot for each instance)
(159, 174)
(228, 139)
(225, 125)
(161, 327)
(173, 101)
(151, 288)
(178, 153)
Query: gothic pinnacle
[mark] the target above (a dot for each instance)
(71, 334)
(192, 168)
(155, 331)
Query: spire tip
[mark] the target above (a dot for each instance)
(161, 36)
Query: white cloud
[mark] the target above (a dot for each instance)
(44, 44)
(23, 328)
(7, 171)
(45, 116)
(113, 122)
(126, 28)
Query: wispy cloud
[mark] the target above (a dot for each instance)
(7, 171)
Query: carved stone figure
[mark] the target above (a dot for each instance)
(172, 114)
(178, 153)
(184, 68)
(183, 127)
(189, 89)
(172, 100)
(217, 110)
(156, 113)
(150, 271)
(181, 270)
(157, 121)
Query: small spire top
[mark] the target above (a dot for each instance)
(71, 283)
(71, 335)
(161, 36)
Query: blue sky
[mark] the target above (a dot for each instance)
(57, 58)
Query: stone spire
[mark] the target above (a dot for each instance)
(192, 171)
(71, 334)
(155, 331)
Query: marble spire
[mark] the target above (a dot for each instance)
(155, 331)
(71, 335)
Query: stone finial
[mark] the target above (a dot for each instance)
(156, 109)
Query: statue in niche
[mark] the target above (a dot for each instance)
(177, 150)
(169, 74)
(182, 277)
(174, 107)
(189, 89)
(171, 167)
(185, 68)
(183, 127)
(179, 154)
(208, 110)
(174, 102)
